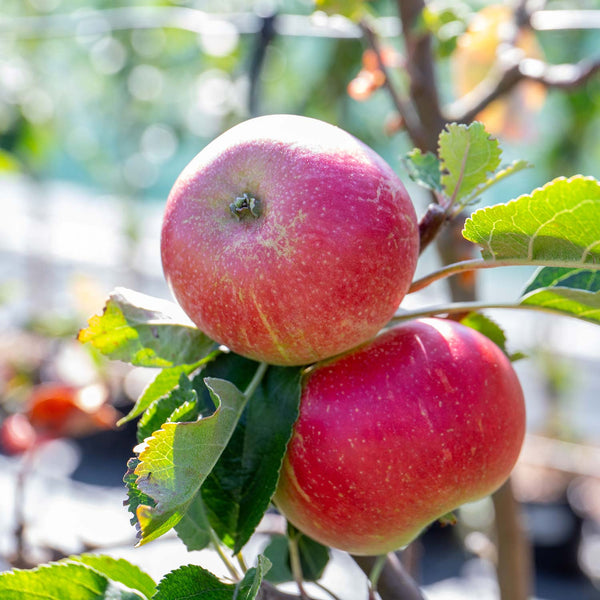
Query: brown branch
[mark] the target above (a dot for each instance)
(420, 67)
(514, 566)
(394, 582)
(403, 106)
(516, 69)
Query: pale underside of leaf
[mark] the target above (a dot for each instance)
(558, 224)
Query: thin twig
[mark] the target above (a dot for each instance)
(420, 67)
(516, 69)
(480, 263)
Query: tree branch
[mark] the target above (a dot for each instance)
(514, 70)
(420, 67)
(514, 566)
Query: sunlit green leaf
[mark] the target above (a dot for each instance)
(556, 225)
(145, 331)
(166, 381)
(135, 497)
(163, 409)
(62, 581)
(503, 173)
(468, 156)
(119, 570)
(179, 456)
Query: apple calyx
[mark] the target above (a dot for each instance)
(245, 205)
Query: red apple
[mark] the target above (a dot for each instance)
(288, 240)
(399, 432)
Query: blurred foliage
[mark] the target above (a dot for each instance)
(111, 103)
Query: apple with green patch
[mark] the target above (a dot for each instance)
(289, 240)
(398, 433)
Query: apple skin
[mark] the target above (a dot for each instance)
(398, 433)
(324, 265)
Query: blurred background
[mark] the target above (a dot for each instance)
(101, 107)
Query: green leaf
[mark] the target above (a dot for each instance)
(314, 557)
(487, 327)
(503, 173)
(195, 583)
(239, 489)
(9, 162)
(468, 155)
(573, 292)
(556, 225)
(194, 529)
(62, 581)
(178, 457)
(239, 371)
(135, 497)
(119, 570)
(248, 588)
(423, 169)
(168, 408)
(581, 279)
(490, 329)
(351, 9)
(163, 383)
(145, 331)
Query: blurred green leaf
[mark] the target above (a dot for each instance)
(9, 162)
(65, 580)
(146, 332)
(468, 156)
(557, 223)
(351, 9)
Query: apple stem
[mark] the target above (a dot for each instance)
(376, 573)
(256, 379)
(241, 562)
(216, 542)
(296, 565)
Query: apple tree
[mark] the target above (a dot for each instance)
(290, 245)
